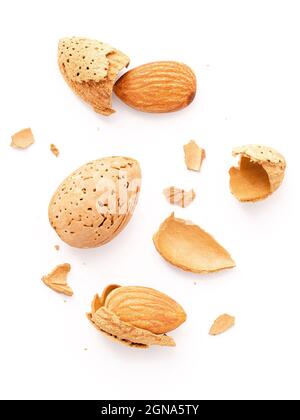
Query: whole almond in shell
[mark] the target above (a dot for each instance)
(162, 86)
(136, 316)
(95, 203)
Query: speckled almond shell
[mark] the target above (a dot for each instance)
(272, 161)
(90, 68)
(268, 161)
(73, 210)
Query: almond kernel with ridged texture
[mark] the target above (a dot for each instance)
(136, 316)
(162, 86)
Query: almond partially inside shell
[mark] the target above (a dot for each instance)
(136, 316)
(260, 172)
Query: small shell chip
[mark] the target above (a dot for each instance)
(54, 150)
(222, 324)
(178, 196)
(22, 139)
(57, 279)
(260, 172)
(194, 156)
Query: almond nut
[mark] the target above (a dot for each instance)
(95, 203)
(136, 316)
(162, 86)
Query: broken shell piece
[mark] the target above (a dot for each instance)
(222, 324)
(259, 174)
(54, 150)
(177, 196)
(22, 139)
(194, 156)
(57, 279)
(136, 316)
(190, 248)
(90, 68)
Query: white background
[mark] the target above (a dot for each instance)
(246, 58)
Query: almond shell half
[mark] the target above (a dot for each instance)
(189, 247)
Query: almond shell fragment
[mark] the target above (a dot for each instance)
(178, 196)
(194, 156)
(22, 139)
(260, 172)
(222, 324)
(57, 279)
(187, 246)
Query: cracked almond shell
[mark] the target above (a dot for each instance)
(57, 279)
(136, 316)
(95, 203)
(194, 156)
(90, 68)
(22, 139)
(187, 246)
(260, 172)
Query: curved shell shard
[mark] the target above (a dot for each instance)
(190, 248)
(260, 172)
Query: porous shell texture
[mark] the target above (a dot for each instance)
(95, 203)
(136, 316)
(187, 246)
(162, 86)
(90, 68)
(260, 172)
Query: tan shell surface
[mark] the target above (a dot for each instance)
(178, 196)
(95, 203)
(190, 248)
(194, 156)
(57, 279)
(22, 139)
(260, 172)
(222, 324)
(145, 308)
(163, 86)
(91, 71)
(109, 323)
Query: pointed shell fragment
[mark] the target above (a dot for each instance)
(222, 324)
(194, 156)
(57, 279)
(187, 246)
